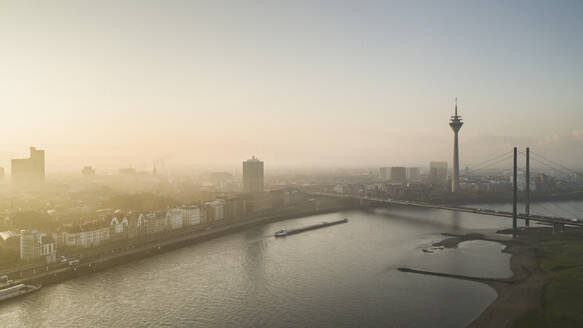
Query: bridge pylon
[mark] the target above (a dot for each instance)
(527, 188)
(514, 195)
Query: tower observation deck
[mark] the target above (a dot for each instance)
(455, 123)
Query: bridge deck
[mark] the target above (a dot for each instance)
(537, 218)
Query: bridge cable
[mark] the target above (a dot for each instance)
(475, 166)
(553, 214)
(491, 164)
(549, 166)
(565, 210)
(556, 163)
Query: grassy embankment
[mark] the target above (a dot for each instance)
(562, 297)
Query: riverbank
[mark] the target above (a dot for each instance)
(139, 250)
(560, 257)
(520, 297)
(547, 271)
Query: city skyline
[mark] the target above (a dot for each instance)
(289, 163)
(346, 88)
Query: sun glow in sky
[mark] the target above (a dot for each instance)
(125, 83)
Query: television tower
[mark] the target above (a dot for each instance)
(456, 124)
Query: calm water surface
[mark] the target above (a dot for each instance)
(341, 276)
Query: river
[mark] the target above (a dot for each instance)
(340, 276)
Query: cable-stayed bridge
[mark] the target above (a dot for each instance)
(507, 214)
(558, 219)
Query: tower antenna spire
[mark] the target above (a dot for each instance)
(455, 123)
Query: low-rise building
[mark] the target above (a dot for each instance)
(118, 227)
(215, 210)
(293, 196)
(85, 235)
(35, 245)
(261, 202)
(544, 183)
(175, 218)
(142, 224)
(10, 240)
(234, 208)
(191, 215)
(339, 189)
(277, 198)
(437, 172)
(30, 241)
(155, 222)
(133, 229)
(48, 248)
(373, 187)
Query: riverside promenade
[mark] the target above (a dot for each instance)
(49, 274)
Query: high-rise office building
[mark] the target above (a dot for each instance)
(29, 170)
(385, 173)
(413, 173)
(88, 171)
(437, 172)
(398, 174)
(456, 124)
(253, 175)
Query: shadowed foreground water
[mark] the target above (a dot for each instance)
(341, 276)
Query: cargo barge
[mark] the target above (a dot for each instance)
(285, 232)
(15, 291)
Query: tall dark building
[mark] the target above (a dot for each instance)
(30, 170)
(88, 171)
(253, 175)
(398, 174)
(455, 123)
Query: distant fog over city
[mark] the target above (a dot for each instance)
(298, 83)
(291, 163)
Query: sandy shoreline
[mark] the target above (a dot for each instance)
(516, 295)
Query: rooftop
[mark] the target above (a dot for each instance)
(253, 159)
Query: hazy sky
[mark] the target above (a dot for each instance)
(125, 83)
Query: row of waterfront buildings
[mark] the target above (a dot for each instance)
(33, 245)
